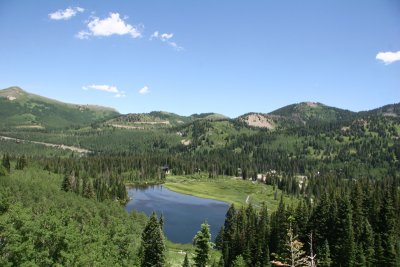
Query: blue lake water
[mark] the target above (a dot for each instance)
(183, 214)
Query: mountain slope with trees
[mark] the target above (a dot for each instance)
(342, 167)
(24, 110)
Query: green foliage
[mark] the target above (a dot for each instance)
(3, 171)
(186, 261)
(152, 120)
(33, 111)
(153, 247)
(246, 234)
(309, 112)
(202, 242)
(239, 262)
(41, 225)
(5, 162)
(324, 257)
(235, 191)
(21, 163)
(297, 255)
(343, 165)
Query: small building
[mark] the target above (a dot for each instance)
(166, 169)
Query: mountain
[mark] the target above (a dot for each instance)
(209, 116)
(159, 119)
(155, 119)
(21, 109)
(392, 110)
(306, 112)
(296, 114)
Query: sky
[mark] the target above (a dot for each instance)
(228, 57)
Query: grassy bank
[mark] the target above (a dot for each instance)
(176, 254)
(228, 189)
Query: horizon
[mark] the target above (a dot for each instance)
(196, 113)
(227, 57)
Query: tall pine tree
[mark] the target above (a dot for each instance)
(153, 247)
(345, 248)
(203, 246)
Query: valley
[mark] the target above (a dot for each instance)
(66, 169)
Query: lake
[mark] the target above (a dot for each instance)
(183, 214)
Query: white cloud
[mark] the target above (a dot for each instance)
(106, 88)
(154, 35)
(120, 94)
(388, 57)
(174, 45)
(109, 26)
(165, 37)
(82, 35)
(144, 90)
(66, 13)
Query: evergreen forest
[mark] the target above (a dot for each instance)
(64, 178)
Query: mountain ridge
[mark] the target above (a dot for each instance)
(22, 109)
(31, 108)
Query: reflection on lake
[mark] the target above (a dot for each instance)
(183, 214)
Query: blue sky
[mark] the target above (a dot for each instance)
(229, 57)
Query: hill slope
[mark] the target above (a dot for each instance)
(21, 109)
(155, 119)
(159, 119)
(306, 112)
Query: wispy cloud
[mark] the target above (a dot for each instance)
(66, 13)
(111, 25)
(388, 57)
(166, 38)
(106, 88)
(144, 90)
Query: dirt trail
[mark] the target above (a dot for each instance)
(72, 148)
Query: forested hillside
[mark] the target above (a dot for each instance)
(28, 111)
(40, 225)
(65, 206)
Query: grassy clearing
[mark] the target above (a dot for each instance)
(228, 189)
(176, 254)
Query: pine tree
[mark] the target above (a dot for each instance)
(221, 262)
(88, 189)
(297, 256)
(379, 256)
(319, 222)
(202, 243)
(367, 243)
(186, 261)
(357, 209)
(279, 226)
(360, 260)
(21, 163)
(324, 258)
(219, 239)
(345, 245)
(266, 259)
(70, 183)
(6, 162)
(153, 247)
(229, 235)
(263, 231)
(239, 262)
(388, 230)
(161, 222)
